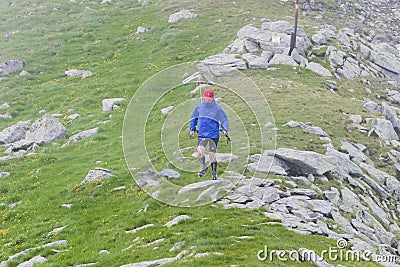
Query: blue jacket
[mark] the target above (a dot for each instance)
(208, 116)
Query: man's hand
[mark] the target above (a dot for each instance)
(224, 133)
(191, 133)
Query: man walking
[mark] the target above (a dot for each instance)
(207, 117)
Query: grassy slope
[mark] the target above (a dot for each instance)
(58, 35)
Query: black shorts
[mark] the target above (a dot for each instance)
(212, 141)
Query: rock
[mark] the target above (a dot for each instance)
(170, 174)
(269, 164)
(390, 114)
(80, 136)
(384, 129)
(376, 209)
(300, 180)
(315, 130)
(177, 246)
(108, 103)
(33, 261)
(317, 68)
(74, 72)
(152, 263)
(310, 255)
(166, 110)
(304, 162)
(183, 14)
(319, 39)
(177, 220)
(5, 106)
(141, 29)
(21, 145)
(335, 57)
(150, 178)
(350, 201)
(104, 251)
(374, 185)
(256, 62)
(280, 59)
(343, 164)
(303, 192)
(133, 231)
(354, 152)
(55, 231)
(393, 187)
(46, 129)
(220, 65)
(4, 174)
(356, 118)
(6, 116)
(372, 106)
(73, 116)
(350, 69)
(66, 206)
(14, 133)
(11, 66)
(97, 174)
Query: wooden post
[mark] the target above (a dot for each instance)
(293, 36)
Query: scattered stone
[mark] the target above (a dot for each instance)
(133, 231)
(384, 129)
(177, 220)
(14, 133)
(170, 174)
(66, 206)
(33, 261)
(166, 110)
(104, 251)
(4, 174)
(183, 14)
(108, 104)
(141, 29)
(73, 116)
(5, 106)
(97, 174)
(177, 246)
(74, 72)
(318, 68)
(80, 136)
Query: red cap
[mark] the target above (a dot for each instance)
(209, 93)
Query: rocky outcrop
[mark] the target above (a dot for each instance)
(46, 129)
(97, 174)
(183, 14)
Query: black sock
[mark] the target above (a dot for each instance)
(203, 162)
(214, 166)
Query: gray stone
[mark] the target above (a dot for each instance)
(220, 65)
(170, 174)
(354, 152)
(374, 185)
(74, 72)
(204, 185)
(336, 57)
(343, 164)
(46, 129)
(4, 174)
(166, 109)
(177, 246)
(5, 106)
(141, 29)
(356, 118)
(133, 231)
(33, 261)
(97, 174)
(11, 66)
(381, 176)
(108, 104)
(350, 201)
(315, 130)
(183, 14)
(350, 69)
(177, 220)
(372, 106)
(393, 187)
(319, 39)
(149, 178)
(80, 136)
(280, 59)
(300, 180)
(390, 114)
(152, 263)
(303, 192)
(14, 133)
(305, 162)
(376, 209)
(256, 62)
(384, 129)
(318, 68)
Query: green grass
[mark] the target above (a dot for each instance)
(59, 35)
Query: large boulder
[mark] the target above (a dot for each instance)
(97, 174)
(384, 129)
(46, 129)
(305, 162)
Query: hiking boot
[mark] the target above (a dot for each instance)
(202, 172)
(214, 175)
